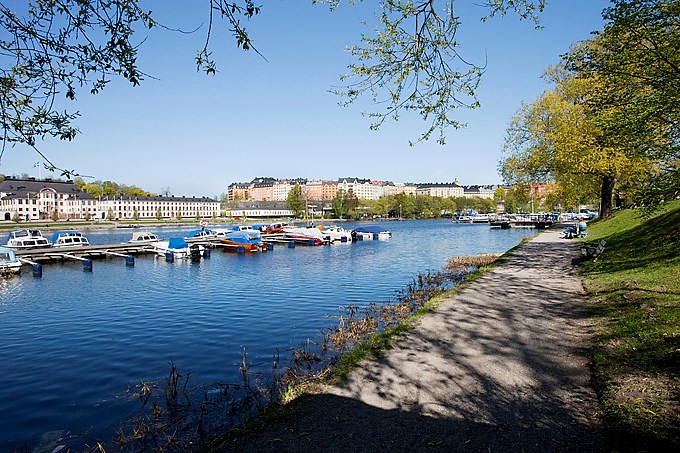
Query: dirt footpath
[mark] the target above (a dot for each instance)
(503, 366)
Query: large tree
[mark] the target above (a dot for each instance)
(637, 59)
(295, 201)
(51, 51)
(558, 137)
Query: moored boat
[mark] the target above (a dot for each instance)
(310, 236)
(27, 239)
(337, 233)
(9, 264)
(199, 235)
(272, 228)
(370, 232)
(250, 240)
(69, 238)
(143, 237)
(480, 218)
(177, 248)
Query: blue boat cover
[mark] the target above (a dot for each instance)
(245, 237)
(56, 235)
(177, 243)
(370, 229)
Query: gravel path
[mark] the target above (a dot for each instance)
(502, 366)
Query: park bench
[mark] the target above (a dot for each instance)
(593, 251)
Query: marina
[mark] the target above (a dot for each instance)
(237, 239)
(75, 344)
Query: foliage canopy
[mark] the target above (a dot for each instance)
(53, 50)
(612, 114)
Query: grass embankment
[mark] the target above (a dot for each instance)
(634, 297)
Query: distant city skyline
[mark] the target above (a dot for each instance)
(196, 134)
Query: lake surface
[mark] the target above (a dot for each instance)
(72, 342)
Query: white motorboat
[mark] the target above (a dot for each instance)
(177, 248)
(311, 236)
(9, 264)
(370, 232)
(27, 239)
(69, 238)
(337, 233)
(143, 237)
(199, 235)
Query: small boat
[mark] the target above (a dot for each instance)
(502, 222)
(27, 239)
(462, 218)
(470, 216)
(178, 247)
(480, 218)
(9, 264)
(69, 238)
(370, 232)
(310, 236)
(337, 233)
(272, 228)
(143, 237)
(250, 240)
(200, 235)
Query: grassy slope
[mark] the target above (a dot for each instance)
(634, 291)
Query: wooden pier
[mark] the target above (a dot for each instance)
(48, 254)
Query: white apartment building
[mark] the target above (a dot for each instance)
(280, 190)
(127, 208)
(30, 199)
(480, 191)
(362, 188)
(444, 190)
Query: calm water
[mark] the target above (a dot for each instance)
(71, 342)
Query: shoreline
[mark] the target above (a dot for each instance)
(444, 385)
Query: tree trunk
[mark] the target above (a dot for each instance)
(606, 196)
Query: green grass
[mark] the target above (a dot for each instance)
(634, 297)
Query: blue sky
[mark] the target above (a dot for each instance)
(196, 134)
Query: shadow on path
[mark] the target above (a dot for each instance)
(503, 366)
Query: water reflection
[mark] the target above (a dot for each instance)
(72, 341)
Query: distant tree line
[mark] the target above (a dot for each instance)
(346, 205)
(110, 188)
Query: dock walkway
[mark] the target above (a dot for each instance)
(502, 366)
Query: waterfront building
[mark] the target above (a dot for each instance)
(132, 208)
(479, 191)
(31, 199)
(443, 190)
(378, 190)
(258, 210)
(238, 191)
(263, 189)
(280, 190)
(362, 188)
(395, 188)
(321, 190)
(329, 189)
(314, 190)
